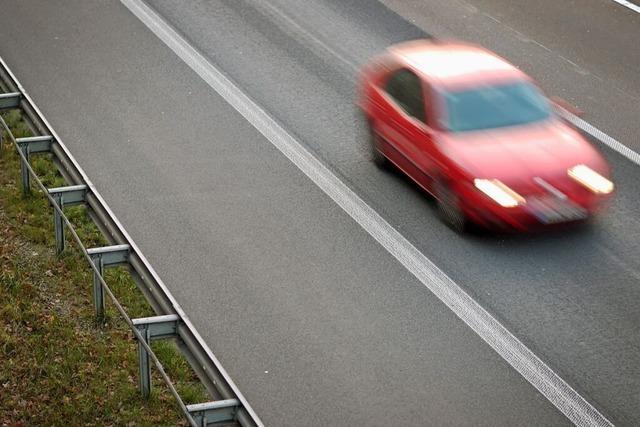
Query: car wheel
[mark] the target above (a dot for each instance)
(375, 141)
(449, 207)
(378, 158)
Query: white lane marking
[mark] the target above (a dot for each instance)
(610, 142)
(523, 360)
(493, 18)
(576, 66)
(541, 45)
(302, 34)
(628, 4)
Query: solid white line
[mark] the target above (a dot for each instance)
(607, 140)
(300, 33)
(523, 360)
(628, 4)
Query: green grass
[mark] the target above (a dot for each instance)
(58, 366)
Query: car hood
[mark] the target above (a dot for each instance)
(516, 155)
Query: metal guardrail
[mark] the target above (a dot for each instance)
(172, 322)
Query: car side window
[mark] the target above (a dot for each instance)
(406, 90)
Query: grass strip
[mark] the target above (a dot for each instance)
(58, 366)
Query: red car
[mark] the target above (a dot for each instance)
(477, 133)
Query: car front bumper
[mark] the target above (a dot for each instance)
(538, 212)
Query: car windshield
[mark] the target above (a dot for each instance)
(488, 107)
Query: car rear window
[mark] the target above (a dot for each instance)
(489, 107)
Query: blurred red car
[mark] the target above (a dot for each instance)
(478, 134)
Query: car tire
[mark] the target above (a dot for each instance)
(378, 158)
(374, 141)
(449, 209)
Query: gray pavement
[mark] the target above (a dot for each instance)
(566, 294)
(309, 315)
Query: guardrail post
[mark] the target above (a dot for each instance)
(98, 289)
(218, 411)
(64, 196)
(101, 258)
(58, 223)
(144, 368)
(8, 101)
(152, 328)
(28, 146)
(24, 171)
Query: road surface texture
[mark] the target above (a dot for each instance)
(314, 320)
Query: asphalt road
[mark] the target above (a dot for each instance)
(306, 311)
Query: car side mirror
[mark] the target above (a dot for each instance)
(565, 105)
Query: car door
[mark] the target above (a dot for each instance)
(406, 129)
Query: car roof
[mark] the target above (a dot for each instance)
(454, 62)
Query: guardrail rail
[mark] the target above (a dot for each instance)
(229, 406)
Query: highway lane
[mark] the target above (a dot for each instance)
(570, 309)
(317, 324)
(572, 296)
(584, 51)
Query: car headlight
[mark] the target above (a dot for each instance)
(591, 179)
(499, 193)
